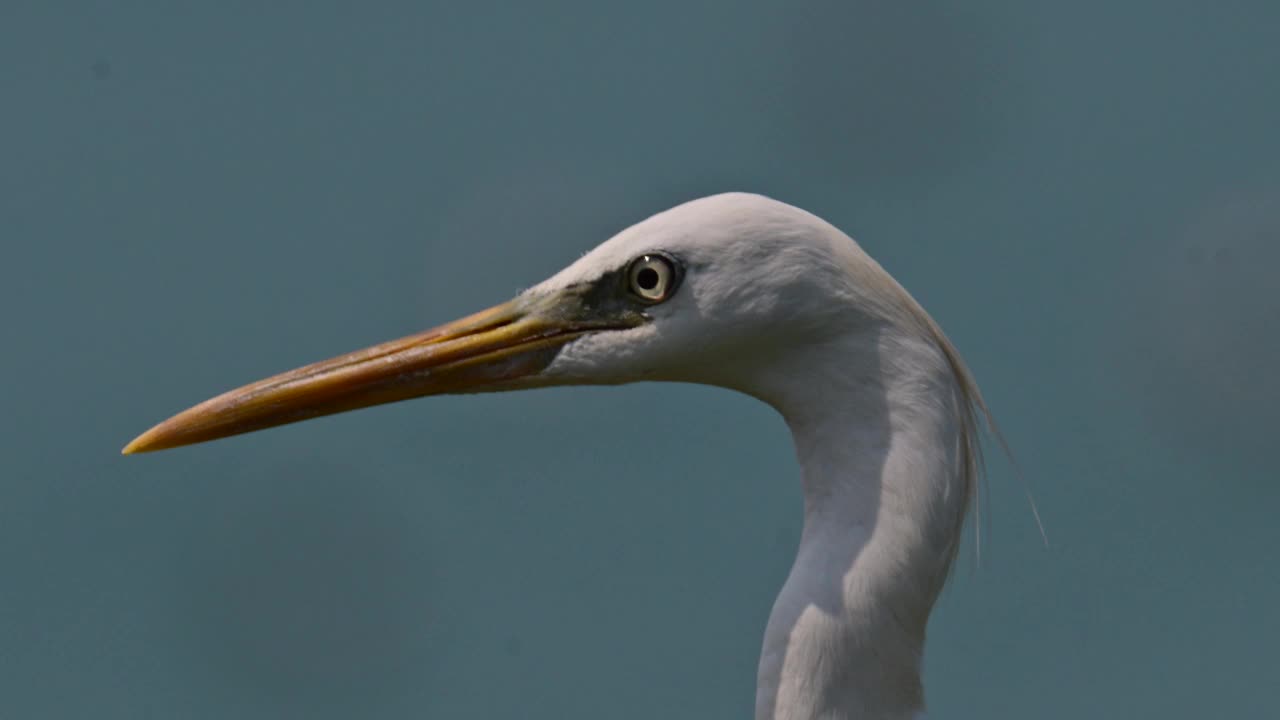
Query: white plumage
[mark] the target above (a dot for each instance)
(747, 293)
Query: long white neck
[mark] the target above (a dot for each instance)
(880, 442)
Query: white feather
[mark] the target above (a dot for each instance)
(783, 306)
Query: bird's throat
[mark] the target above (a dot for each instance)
(846, 635)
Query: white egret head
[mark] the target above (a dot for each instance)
(748, 293)
(735, 290)
(730, 286)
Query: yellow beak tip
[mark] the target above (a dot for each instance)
(138, 445)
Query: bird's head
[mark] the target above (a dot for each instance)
(720, 290)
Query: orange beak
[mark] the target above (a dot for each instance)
(502, 348)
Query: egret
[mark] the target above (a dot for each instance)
(748, 293)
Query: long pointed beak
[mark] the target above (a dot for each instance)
(499, 348)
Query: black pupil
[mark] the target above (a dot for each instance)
(647, 278)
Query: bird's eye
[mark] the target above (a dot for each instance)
(652, 278)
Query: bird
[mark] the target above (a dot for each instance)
(744, 292)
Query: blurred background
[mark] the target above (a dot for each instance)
(195, 195)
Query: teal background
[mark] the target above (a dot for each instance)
(195, 195)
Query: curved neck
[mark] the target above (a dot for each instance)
(884, 504)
